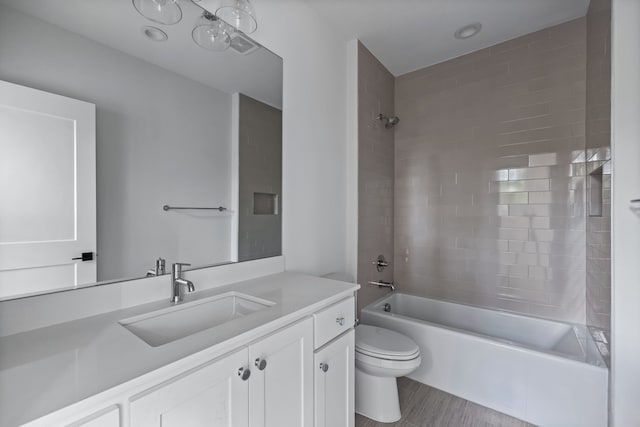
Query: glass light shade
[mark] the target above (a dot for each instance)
(239, 14)
(155, 34)
(211, 33)
(166, 12)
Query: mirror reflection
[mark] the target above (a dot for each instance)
(128, 143)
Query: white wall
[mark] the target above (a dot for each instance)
(314, 133)
(161, 139)
(352, 159)
(625, 105)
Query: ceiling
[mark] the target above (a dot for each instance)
(117, 24)
(406, 35)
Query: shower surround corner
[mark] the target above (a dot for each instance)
(375, 174)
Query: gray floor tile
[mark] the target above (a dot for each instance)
(424, 406)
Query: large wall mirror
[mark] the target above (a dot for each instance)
(124, 141)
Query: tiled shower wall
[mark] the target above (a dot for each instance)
(260, 171)
(490, 176)
(598, 134)
(375, 174)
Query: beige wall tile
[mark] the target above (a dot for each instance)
(485, 189)
(375, 174)
(598, 142)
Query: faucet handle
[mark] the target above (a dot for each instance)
(176, 267)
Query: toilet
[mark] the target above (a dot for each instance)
(382, 355)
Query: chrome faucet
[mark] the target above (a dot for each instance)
(383, 284)
(177, 282)
(159, 270)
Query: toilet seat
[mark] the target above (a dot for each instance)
(387, 364)
(384, 344)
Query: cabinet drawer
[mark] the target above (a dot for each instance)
(334, 320)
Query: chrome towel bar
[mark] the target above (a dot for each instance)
(176, 208)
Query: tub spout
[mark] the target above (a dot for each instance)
(383, 284)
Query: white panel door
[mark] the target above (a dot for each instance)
(212, 396)
(281, 385)
(334, 383)
(47, 191)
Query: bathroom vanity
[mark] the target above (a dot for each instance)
(276, 351)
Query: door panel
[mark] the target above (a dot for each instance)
(41, 158)
(47, 145)
(212, 396)
(281, 395)
(334, 385)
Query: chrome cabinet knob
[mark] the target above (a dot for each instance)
(260, 364)
(244, 374)
(324, 367)
(340, 321)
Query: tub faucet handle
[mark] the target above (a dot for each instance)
(380, 263)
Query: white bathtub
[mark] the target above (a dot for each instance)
(545, 372)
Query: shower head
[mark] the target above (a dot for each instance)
(389, 122)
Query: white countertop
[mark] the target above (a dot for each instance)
(52, 367)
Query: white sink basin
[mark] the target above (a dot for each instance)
(169, 324)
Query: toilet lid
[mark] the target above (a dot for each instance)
(384, 343)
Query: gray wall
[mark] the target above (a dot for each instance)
(490, 176)
(375, 174)
(161, 139)
(260, 154)
(598, 133)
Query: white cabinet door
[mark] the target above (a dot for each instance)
(210, 396)
(334, 383)
(110, 417)
(47, 189)
(281, 393)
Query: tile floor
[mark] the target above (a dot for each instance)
(424, 406)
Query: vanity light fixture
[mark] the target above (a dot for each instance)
(167, 12)
(468, 31)
(239, 14)
(211, 33)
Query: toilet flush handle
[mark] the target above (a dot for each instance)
(324, 367)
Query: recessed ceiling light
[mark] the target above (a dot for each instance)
(468, 31)
(154, 33)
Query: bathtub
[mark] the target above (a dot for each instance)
(541, 371)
